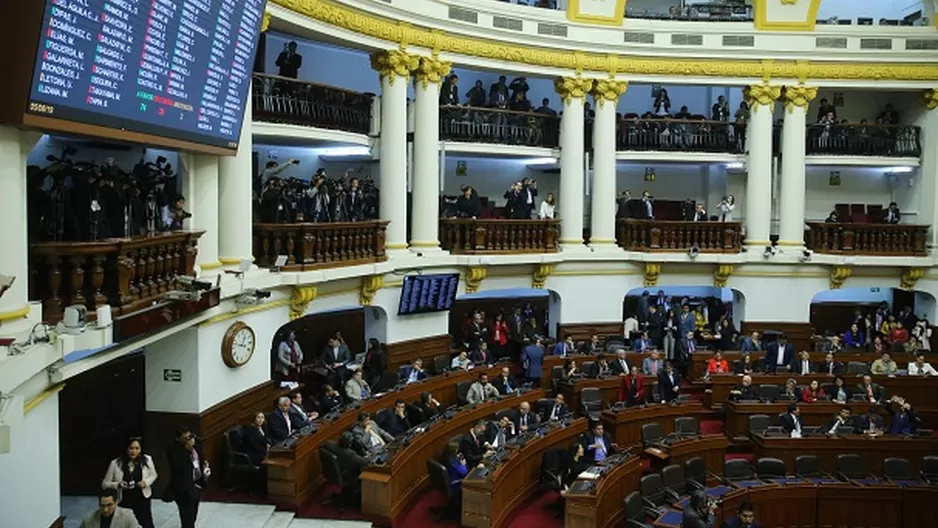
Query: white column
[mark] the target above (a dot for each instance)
(14, 256)
(791, 215)
(573, 91)
(394, 68)
(928, 171)
(758, 204)
(425, 206)
(235, 198)
(204, 208)
(603, 194)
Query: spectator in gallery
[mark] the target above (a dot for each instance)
(726, 207)
(476, 95)
(468, 205)
(356, 388)
(545, 108)
(834, 344)
(547, 209)
(920, 368)
(825, 108)
(662, 103)
(832, 218)
(892, 215)
(289, 61)
(461, 361)
(840, 393)
(813, 392)
(132, 476)
(897, 334)
(109, 513)
(878, 346)
(290, 357)
(720, 110)
(884, 366)
(449, 91)
(922, 332)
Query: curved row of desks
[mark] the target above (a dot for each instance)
(736, 423)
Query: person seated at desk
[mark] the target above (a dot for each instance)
(912, 346)
(397, 423)
(745, 517)
(699, 512)
(829, 366)
(653, 364)
(884, 366)
(878, 346)
(473, 444)
(563, 348)
(779, 355)
(669, 383)
(456, 469)
(620, 366)
(368, 435)
(750, 344)
(802, 366)
(872, 392)
(505, 383)
(574, 463)
(843, 419)
(717, 365)
(834, 344)
(685, 348)
(428, 405)
(904, 421)
(254, 441)
(920, 368)
(356, 388)
(593, 346)
(481, 390)
(871, 423)
(745, 365)
(330, 399)
(532, 357)
(791, 391)
(298, 413)
(898, 334)
(569, 369)
(840, 392)
(461, 361)
(336, 354)
(791, 421)
(415, 372)
(854, 338)
(524, 419)
(600, 367)
(556, 410)
(643, 343)
(280, 424)
(597, 443)
(813, 393)
(743, 391)
(633, 388)
(497, 433)
(481, 355)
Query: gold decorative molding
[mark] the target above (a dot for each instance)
(300, 299)
(762, 21)
(789, 2)
(839, 275)
(910, 277)
(541, 272)
(41, 397)
(798, 96)
(761, 94)
(474, 277)
(721, 275)
(394, 63)
(608, 90)
(931, 99)
(431, 70)
(370, 286)
(570, 88)
(265, 22)
(652, 271)
(19, 313)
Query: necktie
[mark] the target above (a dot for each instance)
(507, 385)
(364, 393)
(869, 392)
(286, 418)
(691, 346)
(553, 414)
(654, 368)
(830, 368)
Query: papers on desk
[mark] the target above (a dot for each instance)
(291, 385)
(590, 474)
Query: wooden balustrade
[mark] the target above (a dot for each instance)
(128, 274)
(895, 240)
(310, 246)
(466, 236)
(661, 236)
(494, 125)
(283, 100)
(863, 139)
(683, 135)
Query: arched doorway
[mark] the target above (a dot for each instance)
(833, 311)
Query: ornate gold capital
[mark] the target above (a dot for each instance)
(265, 22)
(761, 94)
(722, 274)
(910, 277)
(541, 272)
(300, 299)
(652, 271)
(800, 96)
(839, 275)
(370, 286)
(572, 87)
(431, 70)
(610, 90)
(474, 277)
(393, 64)
(931, 99)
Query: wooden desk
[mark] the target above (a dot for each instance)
(626, 426)
(608, 387)
(827, 448)
(698, 361)
(387, 490)
(736, 423)
(487, 502)
(602, 508)
(633, 358)
(712, 448)
(293, 474)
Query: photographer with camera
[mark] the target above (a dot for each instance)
(699, 514)
(726, 207)
(316, 199)
(174, 214)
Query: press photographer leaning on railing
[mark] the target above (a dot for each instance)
(321, 199)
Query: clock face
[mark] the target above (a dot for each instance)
(238, 345)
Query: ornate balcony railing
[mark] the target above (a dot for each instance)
(896, 240)
(863, 140)
(655, 236)
(466, 236)
(310, 246)
(685, 135)
(504, 127)
(283, 100)
(128, 274)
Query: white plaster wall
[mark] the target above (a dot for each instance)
(178, 351)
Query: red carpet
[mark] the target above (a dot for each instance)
(315, 510)
(536, 512)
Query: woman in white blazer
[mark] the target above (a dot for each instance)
(132, 475)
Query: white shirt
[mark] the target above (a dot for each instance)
(631, 325)
(546, 212)
(796, 432)
(925, 370)
(805, 367)
(781, 356)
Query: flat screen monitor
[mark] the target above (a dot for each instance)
(164, 68)
(428, 293)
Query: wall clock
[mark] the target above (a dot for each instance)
(237, 347)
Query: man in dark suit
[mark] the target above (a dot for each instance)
(524, 419)
(188, 473)
(669, 383)
(330, 399)
(556, 410)
(655, 325)
(778, 355)
(870, 422)
(872, 392)
(744, 390)
(414, 372)
(298, 414)
(802, 366)
(564, 348)
(516, 331)
(497, 433)
(481, 354)
(620, 366)
(600, 367)
(593, 346)
(533, 359)
(842, 419)
(745, 518)
(505, 383)
(280, 425)
(396, 423)
(473, 444)
(597, 444)
(699, 513)
(791, 422)
(829, 366)
(336, 353)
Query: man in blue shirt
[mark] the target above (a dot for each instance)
(597, 443)
(564, 347)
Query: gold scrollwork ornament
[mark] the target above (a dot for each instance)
(608, 90)
(651, 274)
(300, 299)
(761, 94)
(570, 88)
(839, 275)
(392, 64)
(931, 99)
(800, 96)
(431, 70)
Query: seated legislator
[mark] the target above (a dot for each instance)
(593, 346)
(330, 399)
(717, 365)
(620, 366)
(473, 444)
(643, 343)
(301, 417)
(505, 383)
(456, 468)
(791, 421)
(920, 368)
(813, 393)
(872, 392)
(597, 443)
(574, 463)
(840, 393)
(803, 366)
(834, 344)
(481, 355)
(428, 405)
(669, 383)
(653, 364)
(524, 419)
(633, 388)
(871, 423)
(685, 348)
(415, 372)
(779, 355)
(280, 423)
(843, 419)
(829, 366)
(884, 366)
(396, 423)
(699, 512)
(368, 435)
(791, 392)
(481, 390)
(600, 367)
(254, 441)
(904, 421)
(356, 388)
(497, 433)
(569, 369)
(556, 410)
(744, 390)
(563, 348)
(750, 344)
(745, 365)
(745, 518)
(461, 361)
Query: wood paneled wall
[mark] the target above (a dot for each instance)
(799, 334)
(405, 352)
(491, 306)
(313, 331)
(583, 331)
(836, 316)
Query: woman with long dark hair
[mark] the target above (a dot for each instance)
(132, 475)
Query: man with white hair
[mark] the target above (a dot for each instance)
(744, 390)
(279, 422)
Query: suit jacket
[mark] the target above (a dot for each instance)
(589, 438)
(493, 431)
(277, 429)
(473, 448)
(596, 370)
(327, 403)
(115, 475)
(667, 384)
(340, 355)
(254, 443)
(878, 392)
(682, 349)
(477, 356)
(502, 386)
(851, 423)
(533, 420)
(361, 438)
(748, 345)
(796, 366)
(648, 363)
(353, 389)
(772, 353)
(745, 393)
(394, 425)
(533, 358)
(123, 518)
(825, 368)
(618, 368)
(422, 375)
(181, 482)
(625, 391)
(640, 345)
(478, 394)
(788, 422)
(299, 415)
(690, 518)
(561, 349)
(549, 410)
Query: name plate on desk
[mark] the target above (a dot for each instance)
(605, 12)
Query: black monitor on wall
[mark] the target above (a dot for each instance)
(428, 293)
